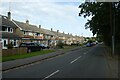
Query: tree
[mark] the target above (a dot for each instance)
(105, 16)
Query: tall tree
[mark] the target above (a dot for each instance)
(105, 18)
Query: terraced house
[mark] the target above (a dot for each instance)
(15, 32)
(28, 32)
(8, 30)
(49, 37)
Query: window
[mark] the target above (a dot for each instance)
(5, 43)
(4, 28)
(11, 41)
(24, 33)
(37, 34)
(14, 43)
(11, 30)
(30, 33)
(8, 29)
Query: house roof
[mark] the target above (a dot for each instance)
(58, 34)
(10, 35)
(48, 32)
(28, 27)
(66, 35)
(6, 22)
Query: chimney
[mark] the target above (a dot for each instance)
(9, 15)
(63, 32)
(57, 31)
(27, 21)
(39, 26)
(51, 29)
(68, 33)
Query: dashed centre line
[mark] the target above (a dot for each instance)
(51, 74)
(75, 60)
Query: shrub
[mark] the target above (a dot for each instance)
(60, 45)
(81, 44)
(10, 46)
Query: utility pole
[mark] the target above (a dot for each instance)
(110, 3)
(113, 38)
(112, 25)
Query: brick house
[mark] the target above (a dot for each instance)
(8, 29)
(28, 32)
(49, 37)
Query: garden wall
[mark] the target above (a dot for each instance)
(9, 52)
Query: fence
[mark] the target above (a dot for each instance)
(9, 52)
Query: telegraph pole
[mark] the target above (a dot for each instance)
(112, 25)
(113, 38)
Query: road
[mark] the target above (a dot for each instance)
(89, 62)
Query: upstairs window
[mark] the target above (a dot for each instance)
(8, 29)
(11, 30)
(37, 34)
(4, 28)
(24, 32)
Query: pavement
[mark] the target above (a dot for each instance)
(26, 61)
(113, 62)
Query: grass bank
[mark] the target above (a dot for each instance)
(21, 56)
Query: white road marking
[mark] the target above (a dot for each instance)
(75, 59)
(51, 74)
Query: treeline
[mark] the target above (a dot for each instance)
(105, 21)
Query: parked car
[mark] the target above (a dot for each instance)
(44, 46)
(88, 45)
(31, 46)
(93, 43)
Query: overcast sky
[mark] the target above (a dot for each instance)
(62, 16)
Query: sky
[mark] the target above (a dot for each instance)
(59, 15)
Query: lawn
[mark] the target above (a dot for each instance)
(69, 47)
(21, 56)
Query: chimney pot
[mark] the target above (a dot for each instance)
(57, 31)
(27, 21)
(39, 26)
(9, 15)
(51, 29)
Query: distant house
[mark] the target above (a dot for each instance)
(28, 32)
(68, 39)
(59, 37)
(8, 29)
(49, 37)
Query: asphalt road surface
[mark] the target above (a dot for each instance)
(89, 62)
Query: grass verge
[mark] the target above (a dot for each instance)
(21, 56)
(69, 47)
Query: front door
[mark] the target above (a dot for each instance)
(4, 43)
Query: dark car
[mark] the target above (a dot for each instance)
(31, 46)
(44, 46)
(88, 45)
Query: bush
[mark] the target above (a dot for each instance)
(60, 45)
(81, 44)
(10, 46)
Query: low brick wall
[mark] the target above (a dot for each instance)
(9, 52)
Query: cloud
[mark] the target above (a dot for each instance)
(56, 15)
(42, 1)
